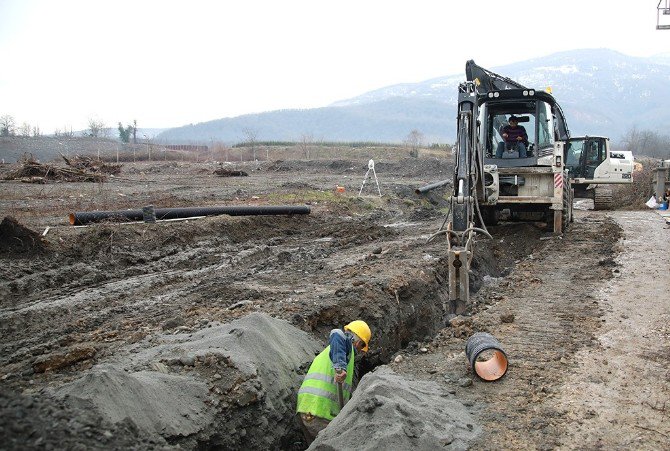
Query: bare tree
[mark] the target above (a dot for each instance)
(36, 130)
(646, 142)
(67, 133)
(414, 141)
(7, 125)
(306, 141)
(95, 128)
(24, 130)
(250, 138)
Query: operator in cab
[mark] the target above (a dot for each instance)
(515, 138)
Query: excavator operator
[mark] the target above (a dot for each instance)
(515, 138)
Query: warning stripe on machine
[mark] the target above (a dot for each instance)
(558, 180)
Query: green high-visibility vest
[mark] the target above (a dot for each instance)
(318, 392)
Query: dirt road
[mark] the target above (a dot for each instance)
(583, 317)
(588, 342)
(619, 394)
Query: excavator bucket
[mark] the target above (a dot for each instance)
(459, 290)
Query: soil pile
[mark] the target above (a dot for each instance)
(219, 386)
(388, 411)
(226, 172)
(39, 422)
(17, 239)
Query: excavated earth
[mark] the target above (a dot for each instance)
(195, 334)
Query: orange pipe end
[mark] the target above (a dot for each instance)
(492, 369)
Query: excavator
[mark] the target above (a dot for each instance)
(592, 165)
(535, 186)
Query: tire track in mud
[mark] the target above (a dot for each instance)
(552, 296)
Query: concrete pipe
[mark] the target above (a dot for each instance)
(87, 217)
(486, 356)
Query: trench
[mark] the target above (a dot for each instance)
(404, 312)
(420, 309)
(403, 317)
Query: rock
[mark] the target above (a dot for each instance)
(459, 321)
(59, 361)
(398, 359)
(464, 382)
(187, 360)
(240, 304)
(377, 251)
(160, 367)
(172, 323)
(507, 318)
(423, 350)
(369, 405)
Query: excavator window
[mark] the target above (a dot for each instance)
(573, 156)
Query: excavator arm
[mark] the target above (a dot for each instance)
(468, 189)
(488, 81)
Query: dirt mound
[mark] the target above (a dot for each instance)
(32, 422)
(388, 411)
(185, 390)
(156, 403)
(17, 239)
(226, 172)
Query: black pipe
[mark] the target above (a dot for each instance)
(425, 189)
(87, 217)
(494, 365)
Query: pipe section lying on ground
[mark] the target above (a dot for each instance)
(87, 217)
(425, 189)
(486, 356)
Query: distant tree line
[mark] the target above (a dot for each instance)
(96, 129)
(646, 143)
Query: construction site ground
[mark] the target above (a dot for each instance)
(195, 334)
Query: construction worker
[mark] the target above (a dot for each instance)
(328, 383)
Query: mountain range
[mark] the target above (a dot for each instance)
(602, 92)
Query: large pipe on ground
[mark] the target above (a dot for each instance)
(486, 356)
(425, 189)
(87, 217)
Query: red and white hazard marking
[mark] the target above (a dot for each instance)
(558, 180)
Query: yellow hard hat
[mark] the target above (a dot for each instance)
(361, 329)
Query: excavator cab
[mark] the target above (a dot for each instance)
(592, 166)
(589, 159)
(536, 112)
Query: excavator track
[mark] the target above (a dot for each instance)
(602, 198)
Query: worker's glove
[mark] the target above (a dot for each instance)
(340, 376)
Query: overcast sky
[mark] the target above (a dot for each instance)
(169, 63)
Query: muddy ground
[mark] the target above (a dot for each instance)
(87, 310)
